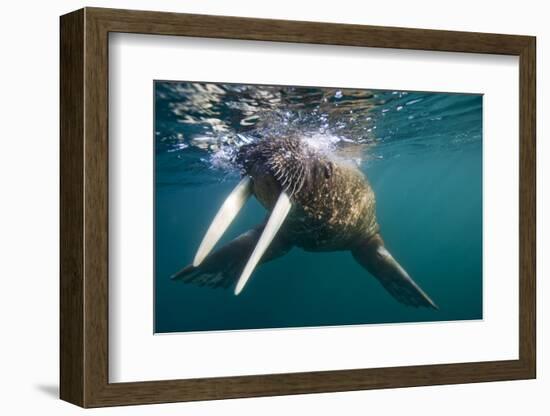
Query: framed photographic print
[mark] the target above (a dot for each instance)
(259, 207)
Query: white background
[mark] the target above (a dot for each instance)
(135, 60)
(29, 217)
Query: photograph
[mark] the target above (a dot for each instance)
(283, 206)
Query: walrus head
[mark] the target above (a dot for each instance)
(287, 164)
(275, 171)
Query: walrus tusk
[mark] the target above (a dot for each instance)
(225, 216)
(276, 219)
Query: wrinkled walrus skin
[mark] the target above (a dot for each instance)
(316, 202)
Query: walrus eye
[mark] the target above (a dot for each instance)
(223, 219)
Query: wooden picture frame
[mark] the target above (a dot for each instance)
(84, 207)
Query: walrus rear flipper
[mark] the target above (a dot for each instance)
(374, 257)
(223, 267)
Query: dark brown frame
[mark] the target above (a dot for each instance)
(84, 207)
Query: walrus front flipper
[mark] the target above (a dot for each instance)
(223, 267)
(373, 256)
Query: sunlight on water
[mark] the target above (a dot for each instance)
(208, 122)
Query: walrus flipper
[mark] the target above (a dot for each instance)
(223, 267)
(374, 257)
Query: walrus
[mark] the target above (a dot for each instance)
(316, 202)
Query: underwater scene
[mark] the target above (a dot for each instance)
(287, 206)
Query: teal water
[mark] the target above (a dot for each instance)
(422, 153)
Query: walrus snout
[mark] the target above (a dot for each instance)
(288, 160)
(291, 163)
